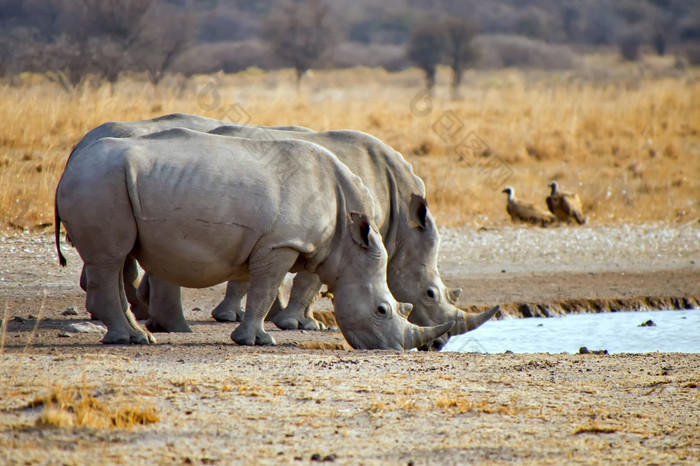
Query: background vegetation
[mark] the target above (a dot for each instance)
(600, 95)
(74, 38)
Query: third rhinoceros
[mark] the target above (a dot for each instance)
(197, 209)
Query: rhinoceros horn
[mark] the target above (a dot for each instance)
(415, 336)
(469, 322)
(405, 309)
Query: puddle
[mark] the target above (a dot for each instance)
(617, 332)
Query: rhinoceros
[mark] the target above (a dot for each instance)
(125, 129)
(197, 209)
(408, 230)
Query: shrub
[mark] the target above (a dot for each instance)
(498, 51)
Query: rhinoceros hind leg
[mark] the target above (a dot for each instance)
(298, 314)
(107, 301)
(165, 307)
(134, 294)
(230, 309)
(267, 270)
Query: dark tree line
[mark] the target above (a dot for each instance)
(70, 40)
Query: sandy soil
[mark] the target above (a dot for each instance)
(220, 403)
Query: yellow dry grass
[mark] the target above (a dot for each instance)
(76, 407)
(630, 145)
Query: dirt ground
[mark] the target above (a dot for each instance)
(203, 400)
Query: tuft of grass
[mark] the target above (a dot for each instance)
(595, 429)
(324, 345)
(460, 404)
(70, 407)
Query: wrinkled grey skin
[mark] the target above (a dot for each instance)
(408, 230)
(197, 209)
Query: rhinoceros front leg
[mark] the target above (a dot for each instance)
(165, 307)
(267, 269)
(298, 314)
(107, 301)
(231, 309)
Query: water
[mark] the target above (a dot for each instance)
(617, 332)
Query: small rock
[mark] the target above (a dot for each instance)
(648, 323)
(69, 311)
(138, 355)
(503, 270)
(19, 319)
(584, 350)
(540, 325)
(196, 309)
(86, 327)
(329, 458)
(31, 317)
(64, 335)
(316, 457)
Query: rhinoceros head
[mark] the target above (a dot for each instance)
(413, 276)
(368, 315)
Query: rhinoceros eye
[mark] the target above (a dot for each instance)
(432, 293)
(382, 310)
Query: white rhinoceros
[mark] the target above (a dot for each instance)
(408, 230)
(197, 209)
(125, 129)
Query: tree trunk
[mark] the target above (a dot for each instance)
(299, 74)
(456, 82)
(430, 78)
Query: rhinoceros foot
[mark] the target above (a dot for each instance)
(247, 336)
(222, 313)
(290, 322)
(125, 338)
(155, 327)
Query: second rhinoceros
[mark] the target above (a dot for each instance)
(197, 209)
(408, 230)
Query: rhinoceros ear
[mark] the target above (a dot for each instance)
(418, 210)
(360, 228)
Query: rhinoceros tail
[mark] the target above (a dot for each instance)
(57, 233)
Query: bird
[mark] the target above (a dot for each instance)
(520, 211)
(565, 206)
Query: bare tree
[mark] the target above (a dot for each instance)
(460, 49)
(167, 33)
(300, 33)
(104, 32)
(426, 47)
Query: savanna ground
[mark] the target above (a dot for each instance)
(627, 138)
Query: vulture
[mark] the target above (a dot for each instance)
(565, 206)
(524, 212)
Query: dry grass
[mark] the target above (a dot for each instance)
(71, 407)
(629, 145)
